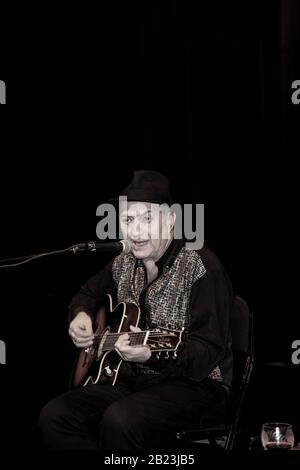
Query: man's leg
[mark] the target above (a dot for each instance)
(146, 418)
(71, 421)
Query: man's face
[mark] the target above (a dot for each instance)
(147, 227)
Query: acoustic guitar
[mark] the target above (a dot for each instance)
(100, 362)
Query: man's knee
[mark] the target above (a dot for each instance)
(46, 416)
(120, 428)
(52, 413)
(116, 416)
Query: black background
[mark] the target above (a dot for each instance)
(200, 92)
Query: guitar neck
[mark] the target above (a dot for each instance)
(157, 340)
(136, 339)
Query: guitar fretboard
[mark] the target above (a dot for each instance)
(136, 339)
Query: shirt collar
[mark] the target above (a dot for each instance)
(167, 259)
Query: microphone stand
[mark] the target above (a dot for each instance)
(19, 261)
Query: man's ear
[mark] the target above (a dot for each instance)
(171, 219)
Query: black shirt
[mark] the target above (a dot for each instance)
(207, 345)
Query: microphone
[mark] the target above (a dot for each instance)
(123, 246)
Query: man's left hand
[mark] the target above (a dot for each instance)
(132, 353)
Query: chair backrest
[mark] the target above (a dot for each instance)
(242, 341)
(240, 325)
(243, 357)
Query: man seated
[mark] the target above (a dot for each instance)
(173, 287)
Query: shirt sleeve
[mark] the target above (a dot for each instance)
(92, 293)
(205, 344)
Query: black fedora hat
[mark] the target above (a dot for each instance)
(148, 186)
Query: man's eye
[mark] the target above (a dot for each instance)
(147, 218)
(127, 220)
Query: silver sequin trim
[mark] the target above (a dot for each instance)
(167, 298)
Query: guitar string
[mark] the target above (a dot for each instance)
(112, 343)
(140, 333)
(136, 338)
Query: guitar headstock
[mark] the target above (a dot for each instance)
(164, 339)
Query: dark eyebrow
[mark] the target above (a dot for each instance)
(149, 211)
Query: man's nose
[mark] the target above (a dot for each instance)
(136, 229)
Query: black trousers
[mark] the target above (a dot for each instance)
(127, 415)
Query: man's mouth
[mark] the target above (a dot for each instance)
(138, 244)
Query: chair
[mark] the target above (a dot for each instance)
(227, 434)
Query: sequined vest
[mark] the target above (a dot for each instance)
(167, 299)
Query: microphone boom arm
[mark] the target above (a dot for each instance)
(92, 246)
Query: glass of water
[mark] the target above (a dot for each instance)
(277, 436)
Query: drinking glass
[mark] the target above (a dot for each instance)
(277, 436)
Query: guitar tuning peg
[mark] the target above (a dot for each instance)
(158, 355)
(167, 355)
(174, 356)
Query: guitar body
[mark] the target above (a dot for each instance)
(97, 366)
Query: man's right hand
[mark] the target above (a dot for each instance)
(81, 330)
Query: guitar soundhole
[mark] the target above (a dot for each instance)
(101, 344)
